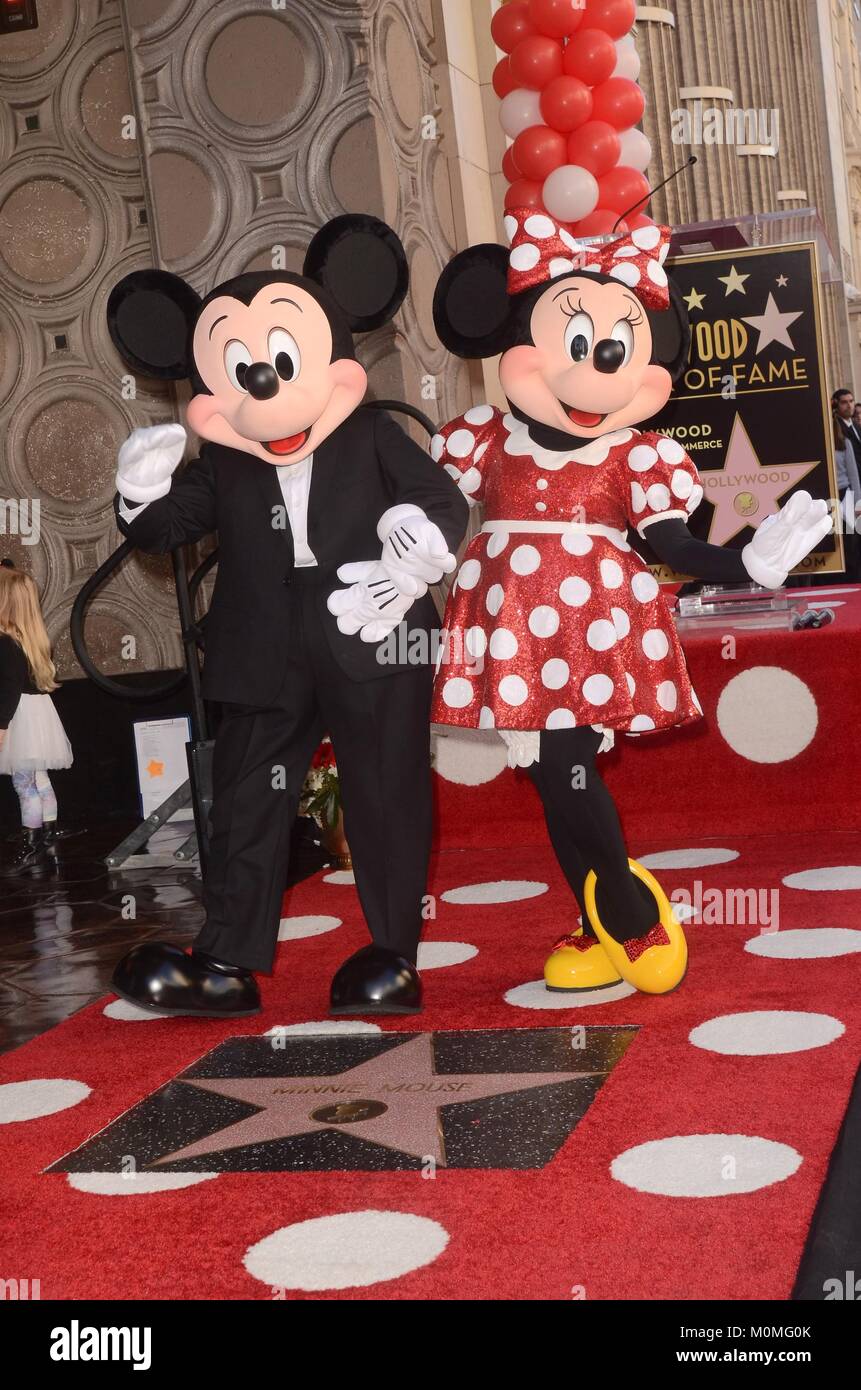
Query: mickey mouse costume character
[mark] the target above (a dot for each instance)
(557, 633)
(303, 487)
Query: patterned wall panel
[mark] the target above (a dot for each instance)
(72, 220)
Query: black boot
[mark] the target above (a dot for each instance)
(376, 981)
(31, 854)
(162, 978)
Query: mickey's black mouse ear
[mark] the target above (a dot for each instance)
(151, 315)
(472, 310)
(361, 263)
(671, 333)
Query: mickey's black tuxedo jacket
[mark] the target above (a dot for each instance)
(368, 465)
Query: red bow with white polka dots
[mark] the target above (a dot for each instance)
(541, 250)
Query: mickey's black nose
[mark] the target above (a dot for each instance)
(609, 355)
(261, 381)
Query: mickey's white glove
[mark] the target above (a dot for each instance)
(373, 606)
(147, 462)
(783, 540)
(415, 551)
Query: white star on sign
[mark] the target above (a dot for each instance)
(772, 326)
(734, 281)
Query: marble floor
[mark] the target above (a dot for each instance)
(62, 929)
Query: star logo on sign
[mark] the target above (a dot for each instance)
(694, 300)
(734, 282)
(773, 326)
(745, 491)
(782, 281)
(393, 1100)
(154, 768)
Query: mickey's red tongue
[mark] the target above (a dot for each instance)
(587, 418)
(288, 446)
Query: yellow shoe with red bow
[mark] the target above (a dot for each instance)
(578, 963)
(655, 963)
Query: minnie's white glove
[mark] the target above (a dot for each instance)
(415, 551)
(783, 540)
(373, 606)
(147, 462)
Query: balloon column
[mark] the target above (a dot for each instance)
(571, 104)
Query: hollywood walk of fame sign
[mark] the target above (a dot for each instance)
(752, 409)
(483, 1099)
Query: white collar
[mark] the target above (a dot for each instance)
(520, 442)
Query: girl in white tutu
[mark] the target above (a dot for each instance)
(32, 739)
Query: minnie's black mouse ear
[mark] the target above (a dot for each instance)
(361, 263)
(151, 316)
(472, 311)
(671, 333)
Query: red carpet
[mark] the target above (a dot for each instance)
(569, 1230)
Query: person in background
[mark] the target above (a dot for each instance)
(847, 455)
(32, 738)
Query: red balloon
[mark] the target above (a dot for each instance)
(640, 220)
(620, 102)
(524, 194)
(536, 61)
(595, 146)
(538, 151)
(591, 55)
(599, 223)
(615, 17)
(556, 18)
(626, 190)
(511, 25)
(509, 166)
(503, 78)
(566, 103)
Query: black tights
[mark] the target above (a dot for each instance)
(585, 832)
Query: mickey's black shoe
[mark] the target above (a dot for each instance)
(163, 979)
(376, 981)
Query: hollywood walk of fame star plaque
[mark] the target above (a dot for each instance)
(752, 408)
(472, 1099)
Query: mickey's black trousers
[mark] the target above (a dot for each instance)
(380, 730)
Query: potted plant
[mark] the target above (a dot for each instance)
(321, 800)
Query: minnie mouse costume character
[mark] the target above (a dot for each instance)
(304, 488)
(557, 635)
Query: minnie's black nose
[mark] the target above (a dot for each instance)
(609, 355)
(261, 381)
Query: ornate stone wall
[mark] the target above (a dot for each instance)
(72, 221)
(255, 122)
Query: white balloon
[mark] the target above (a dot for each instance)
(628, 64)
(636, 149)
(627, 43)
(570, 193)
(519, 110)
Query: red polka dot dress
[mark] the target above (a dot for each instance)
(554, 621)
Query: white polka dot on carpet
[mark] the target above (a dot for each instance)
(31, 1100)
(340, 877)
(500, 891)
(350, 1250)
(536, 995)
(765, 1032)
(805, 943)
(294, 928)
(840, 878)
(705, 1165)
(134, 1184)
(434, 955)
(687, 858)
(328, 1026)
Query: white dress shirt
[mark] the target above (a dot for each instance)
(295, 482)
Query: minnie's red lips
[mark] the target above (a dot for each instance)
(287, 446)
(589, 419)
